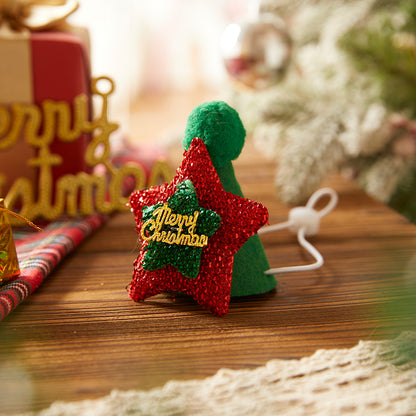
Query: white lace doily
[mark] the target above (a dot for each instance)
(372, 378)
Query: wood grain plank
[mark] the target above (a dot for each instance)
(80, 336)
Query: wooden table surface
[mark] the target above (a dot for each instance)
(79, 335)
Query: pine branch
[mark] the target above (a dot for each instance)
(388, 56)
(404, 199)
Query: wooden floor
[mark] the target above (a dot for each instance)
(80, 336)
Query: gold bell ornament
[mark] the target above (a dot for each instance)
(9, 264)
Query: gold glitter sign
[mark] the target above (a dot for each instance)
(72, 194)
(152, 229)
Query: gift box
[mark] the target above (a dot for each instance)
(36, 66)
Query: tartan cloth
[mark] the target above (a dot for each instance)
(39, 253)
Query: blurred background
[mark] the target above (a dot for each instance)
(322, 86)
(158, 48)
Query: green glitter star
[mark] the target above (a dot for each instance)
(177, 231)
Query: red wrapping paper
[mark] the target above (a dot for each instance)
(60, 71)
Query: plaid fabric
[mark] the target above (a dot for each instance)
(39, 254)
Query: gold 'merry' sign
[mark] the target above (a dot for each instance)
(79, 194)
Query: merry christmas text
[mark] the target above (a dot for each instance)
(74, 194)
(163, 216)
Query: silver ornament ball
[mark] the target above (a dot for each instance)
(257, 53)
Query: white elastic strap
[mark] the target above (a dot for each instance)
(305, 221)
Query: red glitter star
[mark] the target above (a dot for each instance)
(240, 218)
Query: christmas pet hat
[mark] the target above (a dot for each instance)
(220, 128)
(191, 229)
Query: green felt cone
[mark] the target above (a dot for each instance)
(223, 133)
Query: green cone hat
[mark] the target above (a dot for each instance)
(223, 133)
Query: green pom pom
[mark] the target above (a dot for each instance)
(221, 129)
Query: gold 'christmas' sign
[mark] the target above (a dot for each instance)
(152, 229)
(77, 194)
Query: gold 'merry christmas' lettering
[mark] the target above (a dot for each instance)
(152, 229)
(77, 194)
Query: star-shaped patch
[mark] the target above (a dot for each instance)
(240, 218)
(177, 231)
